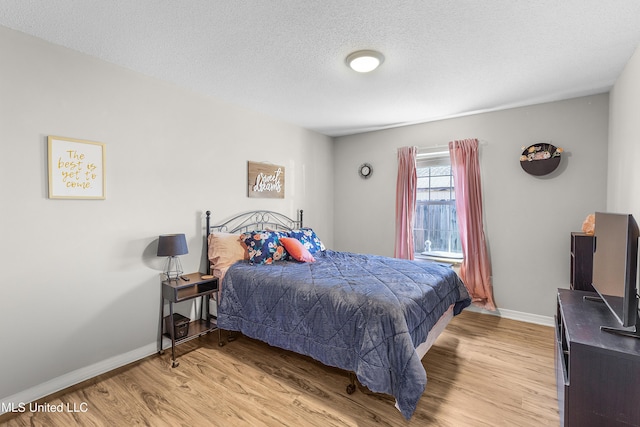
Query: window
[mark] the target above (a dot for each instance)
(435, 231)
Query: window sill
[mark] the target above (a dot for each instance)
(439, 258)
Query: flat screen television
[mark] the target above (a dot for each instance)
(615, 267)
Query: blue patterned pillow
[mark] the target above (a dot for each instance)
(308, 238)
(264, 247)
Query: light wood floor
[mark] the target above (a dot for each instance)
(482, 371)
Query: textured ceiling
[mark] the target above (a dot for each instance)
(443, 58)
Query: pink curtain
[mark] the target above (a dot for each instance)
(406, 186)
(475, 271)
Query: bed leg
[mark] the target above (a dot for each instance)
(351, 387)
(220, 342)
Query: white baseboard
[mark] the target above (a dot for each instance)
(75, 377)
(516, 315)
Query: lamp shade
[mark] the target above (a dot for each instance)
(172, 245)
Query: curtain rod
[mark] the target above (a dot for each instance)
(435, 147)
(438, 148)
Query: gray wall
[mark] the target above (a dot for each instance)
(528, 219)
(80, 277)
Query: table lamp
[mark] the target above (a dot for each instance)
(172, 245)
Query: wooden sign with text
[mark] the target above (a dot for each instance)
(266, 180)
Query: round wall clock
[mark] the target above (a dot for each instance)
(365, 170)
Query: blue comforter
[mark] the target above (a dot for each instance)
(361, 313)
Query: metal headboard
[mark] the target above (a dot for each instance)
(255, 220)
(252, 220)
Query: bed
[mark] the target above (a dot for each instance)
(370, 315)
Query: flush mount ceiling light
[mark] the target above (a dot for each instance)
(364, 61)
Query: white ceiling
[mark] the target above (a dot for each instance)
(285, 58)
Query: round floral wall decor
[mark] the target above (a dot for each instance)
(540, 159)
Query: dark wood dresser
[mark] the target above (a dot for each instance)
(597, 373)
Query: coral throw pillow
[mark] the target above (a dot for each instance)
(296, 249)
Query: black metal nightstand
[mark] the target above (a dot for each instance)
(178, 290)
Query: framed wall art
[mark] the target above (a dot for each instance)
(76, 168)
